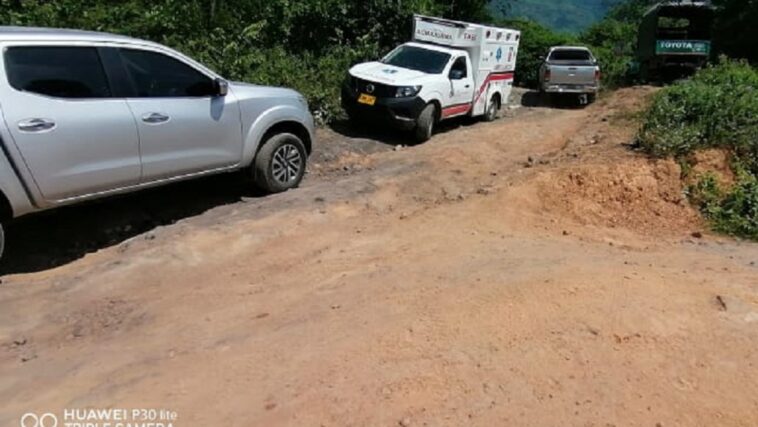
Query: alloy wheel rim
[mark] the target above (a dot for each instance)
(287, 164)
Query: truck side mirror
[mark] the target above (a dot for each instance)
(220, 87)
(456, 74)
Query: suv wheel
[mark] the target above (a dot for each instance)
(280, 164)
(425, 123)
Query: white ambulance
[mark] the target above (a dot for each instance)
(450, 69)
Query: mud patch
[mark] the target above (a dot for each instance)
(102, 318)
(343, 165)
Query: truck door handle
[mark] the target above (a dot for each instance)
(36, 125)
(468, 86)
(154, 118)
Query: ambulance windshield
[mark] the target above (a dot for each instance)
(418, 59)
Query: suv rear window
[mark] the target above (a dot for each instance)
(570, 55)
(62, 72)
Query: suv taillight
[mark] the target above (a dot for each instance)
(597, 75)
(548, 74)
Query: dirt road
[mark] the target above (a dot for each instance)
(534, 271)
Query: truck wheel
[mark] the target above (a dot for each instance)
(492, 109)
(425, 123)
(280, 164)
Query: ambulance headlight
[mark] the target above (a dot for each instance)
(407, 91)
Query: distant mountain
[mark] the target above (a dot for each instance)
(571, 16)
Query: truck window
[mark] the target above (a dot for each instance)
(61, 72)
(673, 28)
(460, 65)
(159, 76)
(418, 59)
(570, 55)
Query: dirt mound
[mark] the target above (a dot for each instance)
(597, 181)
(630, 99)
(638, 194)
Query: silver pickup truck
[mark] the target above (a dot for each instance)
(570, 70)
(86, 115)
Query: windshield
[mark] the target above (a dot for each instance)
(419, 59)
(570, 55)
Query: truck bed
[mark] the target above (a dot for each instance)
(570, 70)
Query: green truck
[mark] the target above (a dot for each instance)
(674, 39)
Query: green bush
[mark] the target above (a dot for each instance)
(717, 108)
(613, 44)
(732, 210)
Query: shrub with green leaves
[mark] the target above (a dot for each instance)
(717, 108)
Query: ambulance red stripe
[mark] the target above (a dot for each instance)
(493, 77)
(465, 108)
(455, 110)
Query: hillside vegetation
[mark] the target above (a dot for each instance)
(717, 110)
(567, 16)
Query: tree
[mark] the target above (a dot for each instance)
(468, 10)
(737, 28)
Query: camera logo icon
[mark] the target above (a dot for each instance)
(34, 420)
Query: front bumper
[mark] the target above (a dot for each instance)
(568, 88)
(397, 112)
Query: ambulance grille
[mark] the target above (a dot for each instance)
(379, 90)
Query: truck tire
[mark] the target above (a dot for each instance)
(425, 123)
(492, 109)
(546, 99)
(280, 163)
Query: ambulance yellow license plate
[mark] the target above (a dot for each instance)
(367, 99)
